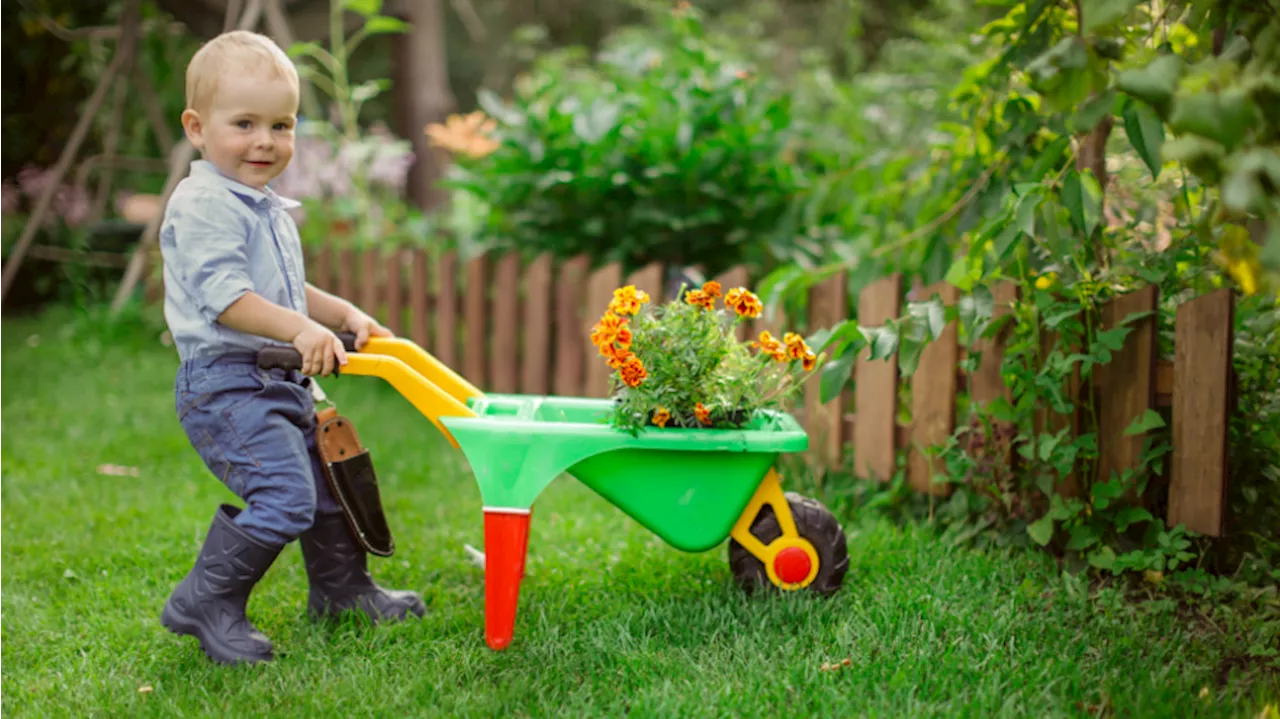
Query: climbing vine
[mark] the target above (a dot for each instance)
(1102, 146)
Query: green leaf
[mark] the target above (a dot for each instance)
(364, 8)
(1002, 410)
(1130, 516)
(936, 315)
(1245, 189)
(1103, 558)
(835, 375)
(884, 342)
(1026, 213)
(1103, 492)
(1091, 201)
(1082, 537)
(1202, 156)
(1041, 530)
(1146, 133)
(1007, 240)
(1149, 420)
(382, 24)
(1050, 158)
(1101, 13)
(1072, 196)
(1061, 73)
(1153, 84)
(366, 91)
(1270, 255)
(1223, 117)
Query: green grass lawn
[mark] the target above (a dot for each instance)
(611, 622)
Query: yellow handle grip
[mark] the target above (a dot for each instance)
(422, 362)
(427, 397)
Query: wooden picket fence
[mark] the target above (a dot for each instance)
(509, 326)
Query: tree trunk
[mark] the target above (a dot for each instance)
(422, 88)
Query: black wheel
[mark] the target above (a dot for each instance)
(815, 523)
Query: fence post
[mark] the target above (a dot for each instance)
(1203, 337)
(1126, 386)
(474, 313)
(446, 339)
(537, 330)
(504, 351)
(933, 397)
(825, 422)
(418, 293)
(569, 336)
(876, 393)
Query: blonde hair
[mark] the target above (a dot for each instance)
(238, 50)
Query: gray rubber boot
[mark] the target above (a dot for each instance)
(209, 602)
(338, 571)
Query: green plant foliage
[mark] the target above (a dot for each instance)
(1097, 147)
(664, 148)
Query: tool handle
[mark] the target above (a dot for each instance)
(288, 358)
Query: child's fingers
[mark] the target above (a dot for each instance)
(309, 362)
(378, 330)
(362, 336)
(326, 361)
(339, 352)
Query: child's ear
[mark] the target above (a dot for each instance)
(193, 127)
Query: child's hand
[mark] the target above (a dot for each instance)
(364, 326)
(320, 349)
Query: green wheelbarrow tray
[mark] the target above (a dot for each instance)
(688, 486)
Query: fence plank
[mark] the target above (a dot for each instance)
(475, 306)
(648, 279)
(504, 351)
(346, 274)
(569, 336)
(537, 328)
(824, 422)
(323, 277)
(736, 277)
(395, 290)
(876, 393)
(1203, 338)
(933, 397)
(369, 281)
(600, 287)
(985, 383)
(418, 293)
(446, 336)
(1126, 386)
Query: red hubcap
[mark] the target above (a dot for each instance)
(792, 565)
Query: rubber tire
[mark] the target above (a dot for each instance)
(815, 523)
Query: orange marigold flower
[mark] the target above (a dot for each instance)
(661, 416)
(606, 331)
(702, 413)
(712, 289)
(632, 372)
(796, 346)
(744, 302)
(616, 356)
(771, 346)
(698, 298)
(809, 360)
(469, 135)
(627, 300)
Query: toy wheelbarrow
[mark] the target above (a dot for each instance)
(693, 488)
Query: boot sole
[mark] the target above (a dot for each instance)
(215, 651)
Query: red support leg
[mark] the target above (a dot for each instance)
(506, 541)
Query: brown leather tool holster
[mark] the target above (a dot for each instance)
(349, 472)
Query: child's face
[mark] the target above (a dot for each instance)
(246, 130)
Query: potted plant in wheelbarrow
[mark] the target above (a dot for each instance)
(680, 368)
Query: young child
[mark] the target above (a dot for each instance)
(233, 276)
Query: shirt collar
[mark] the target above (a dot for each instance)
(265, 197)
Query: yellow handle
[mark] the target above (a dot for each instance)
(431, 369)
(426, 396)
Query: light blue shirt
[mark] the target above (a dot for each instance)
(221, 239)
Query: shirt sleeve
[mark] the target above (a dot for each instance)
(209, 237)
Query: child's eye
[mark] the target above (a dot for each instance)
(244, 124)
(281, 126)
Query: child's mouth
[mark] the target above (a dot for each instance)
(260, 163)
